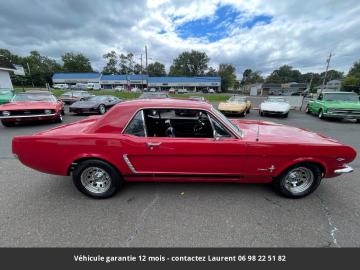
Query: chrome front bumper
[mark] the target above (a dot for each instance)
(347, 169)
(27, 116)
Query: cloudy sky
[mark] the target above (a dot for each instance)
(257, 34)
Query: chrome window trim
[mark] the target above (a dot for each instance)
(232, 132)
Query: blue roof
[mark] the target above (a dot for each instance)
(136, 77)
(183, 79)
(89, 75)
(113, 77)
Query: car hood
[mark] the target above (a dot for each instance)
(342, 105)
(277, 133)
(275, 105)
(231, 106)
(84, 104)
(28, 105)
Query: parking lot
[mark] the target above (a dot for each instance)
(44, 210)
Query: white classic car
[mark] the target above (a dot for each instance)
(275, 106)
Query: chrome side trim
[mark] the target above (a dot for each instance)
(127, 161)
(26, 116)
(347, 169)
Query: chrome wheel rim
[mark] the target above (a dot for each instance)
(95, 180)
(320, 114)
(102, 109)
(60, 117)
(298, 180)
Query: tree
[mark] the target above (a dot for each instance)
(111, 64)
(227, 72)
(352, 80)
(138, 69)
(76, 63)
(192, 63)
(284, 74)
(250, 77)
(126, 63)
(211, 72)
(156, 69)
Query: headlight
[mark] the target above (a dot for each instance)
(47, 111)
(6, 113)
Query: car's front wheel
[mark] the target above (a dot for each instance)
(8, 124)
(285, 115)
(321, 114)
(358, 120)
(298, 181)
(307, 110)
(59, 119)
(97, 179)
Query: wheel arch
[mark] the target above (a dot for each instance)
(82, 159)
(294, 163)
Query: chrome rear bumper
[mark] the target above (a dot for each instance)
(347, 169)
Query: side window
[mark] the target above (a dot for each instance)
(136, 126)
(219, 128)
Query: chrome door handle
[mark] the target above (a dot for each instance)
(152, 144)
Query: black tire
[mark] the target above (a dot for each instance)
(102, 109)
(261, 113)
(7, 124)
(59, 119)
(279, 182)
(285, 115)
(357, 120)
(307, 110)
(248, 111)
(115, 178)
(320, 114)
(243, 114)
(63, 111)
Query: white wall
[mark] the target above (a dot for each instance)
(5, 81)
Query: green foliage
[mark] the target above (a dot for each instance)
(212, 72)
(250, 77)
(111, 65)
(76, 63)
(228, 76)
(192, 63)
(156, 69)
(352, 80)
(284, 74)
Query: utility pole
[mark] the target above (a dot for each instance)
(146, 58)
(327, 68)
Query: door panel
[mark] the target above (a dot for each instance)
(197, 156)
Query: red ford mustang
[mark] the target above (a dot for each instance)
(31, 106)
(182, 140)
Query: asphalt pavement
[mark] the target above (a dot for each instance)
(40, 210)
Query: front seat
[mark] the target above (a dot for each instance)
(169, 132)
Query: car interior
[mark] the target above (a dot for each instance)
(175, 123)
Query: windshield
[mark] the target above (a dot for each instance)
(276, 100)
(74, 94)
(234, 128)
(153, 95)
(5, 92)
(34, 97)
(352, 97)
(98, 98)
(237, 99)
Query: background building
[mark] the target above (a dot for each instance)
(140, 81)
(5, 68)
(74, 78)
(189, 83)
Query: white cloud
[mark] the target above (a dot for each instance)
(300, 34)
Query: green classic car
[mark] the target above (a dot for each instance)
(338, 105)
(6, 95)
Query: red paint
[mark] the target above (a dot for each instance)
(180, 159)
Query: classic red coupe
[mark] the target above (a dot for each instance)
(182, 140)
(31, 106)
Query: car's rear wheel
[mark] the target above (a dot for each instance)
(261, 113)
(8, 124)
(298, 181)
(102, 109)
(248, 110)
(97, 179)
(358, 120)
